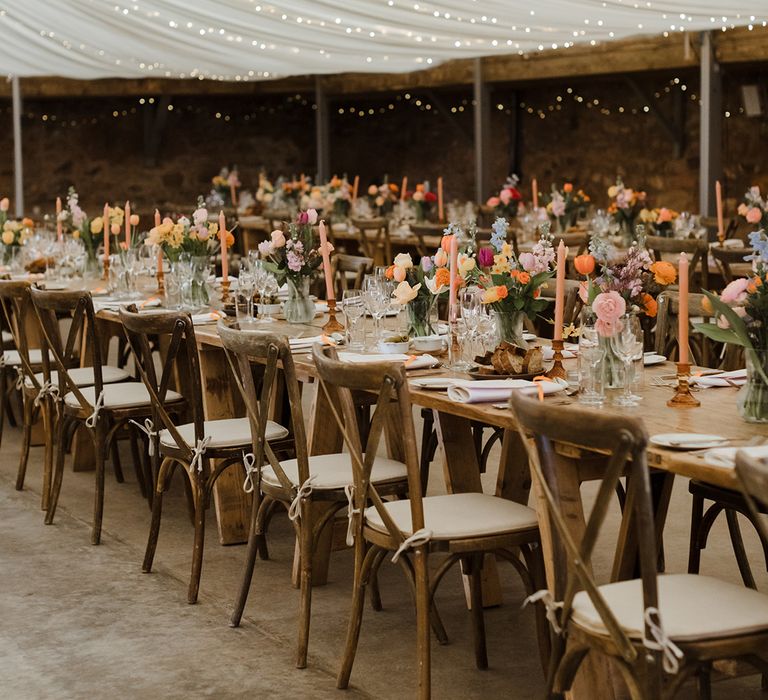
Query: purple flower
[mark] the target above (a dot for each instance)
(485, 257)
(295, 262)
(265, 248)
(303, 218)
(426, 263)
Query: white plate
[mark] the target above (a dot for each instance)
(726, 456)
(687, 441)
(432, 383)
(653, 359)
(55, 286)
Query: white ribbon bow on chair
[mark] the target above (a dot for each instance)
(416, 539)
(249, 461)
(551, 606)
(672, 655)
(149, 430)
(19, 378)
(48, 389)
(197, 454)
(349, 490)
(91, 420)
(294, 511)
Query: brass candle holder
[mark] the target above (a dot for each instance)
(557, 371)
(683, 397)
(225, 292)
(105, 276)
(333, 325)
(160, 280)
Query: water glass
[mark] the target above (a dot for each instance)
(627, 345)
(172, 284)
(376, 296)
(353, 306)
(246, 288)
(591, 372)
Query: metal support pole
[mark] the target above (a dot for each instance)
(711, 137)
(482, 116)
(18, 165)
(323, 137)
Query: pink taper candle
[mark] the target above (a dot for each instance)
(59, 231)
(719, 202)
(127, 224)
(224, 252)
(107, 224)
(157, 218)
(326, 253)
(682, 314)
(562, 254)
(535, 189)
(454, 279)
(159, 248)
(233, 192)
(355, 187)
(440, 216)
(403, 188)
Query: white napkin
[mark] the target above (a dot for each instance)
(726, 456)
(490, 391)
(297, 344)
(570, 350)
(208, 317)
(737, 376)
(411, 361)
(107, 304)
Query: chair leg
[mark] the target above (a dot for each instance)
(375, 593)
(250, 562)
(3, 398)
(266, 509)
(157, 512)
(703, 682)
(473, 567)
(305, 557)
(116, 465)
(423, 606)
(363, 562)
(694, 548)
(428, 437)
(98, 504)
(58, 472)
(28, 412)
(197, 552)
(48, 412)
(732, 518)
(137, 463)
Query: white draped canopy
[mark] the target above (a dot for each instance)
(257, 39)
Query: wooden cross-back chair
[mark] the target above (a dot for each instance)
(725, 257)
(95, 396)
(659, 630)
(421, 232)
(373, 239)
(696, 249)
(7, 388)
(349, 271)
(300, 484)
(194, 445)
(465, 526)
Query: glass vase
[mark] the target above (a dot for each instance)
(193, 274)
(509, 327)
(299, 307)
(420, 316)
(752, 399)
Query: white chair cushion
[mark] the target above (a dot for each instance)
(335, 471)
(229, 432)
(6, 337)
(12, 358)
(125, 395)
(691, 607)
(83, 376)
(459, 515)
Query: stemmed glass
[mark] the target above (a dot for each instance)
(470, 312)
(377, 300)
(353, 305)
(246, 288)
(591, 354)
(626, 343)
(267, 289)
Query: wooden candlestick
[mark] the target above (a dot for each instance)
(160, 278)
(333, 325)
(105, 276)
(225, 291)
(557, 371)
(683, 397)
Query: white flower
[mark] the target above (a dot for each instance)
(431, 283)
(404, 261)
(404, 293)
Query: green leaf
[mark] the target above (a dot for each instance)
(719, 335)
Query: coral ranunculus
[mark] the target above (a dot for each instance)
(502, 291)
(524, 278)
(664, 272)
(568, 187)
(442, 277)
(584, 264)
(650, 306)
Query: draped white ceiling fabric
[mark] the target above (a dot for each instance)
(258, 39)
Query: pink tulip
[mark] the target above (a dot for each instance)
(493, 202)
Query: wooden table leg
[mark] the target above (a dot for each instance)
(462, 475)
(221, 399)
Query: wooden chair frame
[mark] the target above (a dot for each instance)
(725, 257)
(342, 264)
(373, 237)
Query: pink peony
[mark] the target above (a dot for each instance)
(528, 261)
(278, 239)
(609, 307)
(754, 215)
(493, 202)
(485, 257)
(735, 292)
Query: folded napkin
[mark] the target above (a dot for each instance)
(107, 304)
(570, 350)
(303, 344)
(726, 456)
(410, 361)
(737, 376)
(492, 390)
(204, 318)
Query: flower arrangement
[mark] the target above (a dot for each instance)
(422, 201)
(661, 221)
(337, 197)
(224, 185)
(265, 191)
(75, 220)
(296, 255)
(382, 198)
(626, 205)
(15, 233)
(506, 203)
(5, 204)
(198, 237)
(290, 192)
(754, 209)
(565, 205)
(741, 318)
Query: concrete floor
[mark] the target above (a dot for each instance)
(78, 621)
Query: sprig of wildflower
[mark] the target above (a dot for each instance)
(499, 234)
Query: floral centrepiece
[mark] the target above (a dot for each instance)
(5, 205)
(90, 231)
(506, 203)
(225, 185)
(565, 205)
(382, 198)
(754, 208)
(337, 198)
(741, 318)
(265, 192)
(661, 221)
(626, 205)
(197, 236)
(422, 201)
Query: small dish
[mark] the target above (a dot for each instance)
(397, 348)
(687, 441)
(651, 358)
(428, 343)
(475, 374)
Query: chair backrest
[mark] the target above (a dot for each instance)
(703, 351)
(18, 317)
(575, 242)
(387, 382)
(342, 265)
(373, 237)
(752, 476)
(725, 257)
(568, 549)
(273, 351)
(81, 344)
(697, 249)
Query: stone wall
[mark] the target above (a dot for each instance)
(587, 132)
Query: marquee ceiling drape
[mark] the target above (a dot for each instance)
(257, 39)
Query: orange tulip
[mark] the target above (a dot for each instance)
(650, 305)
(502, 291)
(568, 187)
(584, 264)
(390, 273)
(445, 244)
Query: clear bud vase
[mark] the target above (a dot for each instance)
(456, 348)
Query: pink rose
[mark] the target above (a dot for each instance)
(735, 292)
(609, 307)
(493, 202)
(606, 328)
(754, 215)
(278, 239)
(505, 196)
(528, 261)
(742, 209)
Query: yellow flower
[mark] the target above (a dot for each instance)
(116, 216)
(491, 295)
(613, 190)
(97, 225)
(466, 264)
(8, 237)
(76, 233)
(506, 250)
(500, 265)
(213, 229)
(649, 215)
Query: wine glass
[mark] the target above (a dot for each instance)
(267, 287)
(377, 301)
(246, 288)
(626, 344)
(469, 300)
(353, 305)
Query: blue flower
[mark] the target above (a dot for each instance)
(759, 243)
(499, 235)
(453, 229)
